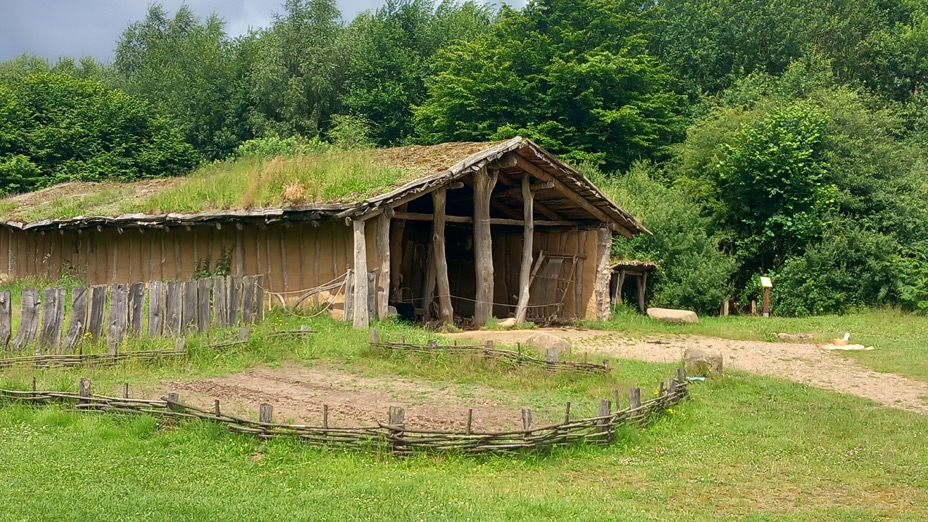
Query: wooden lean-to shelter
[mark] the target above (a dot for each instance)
(481, 230)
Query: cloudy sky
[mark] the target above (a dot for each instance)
(54, 28)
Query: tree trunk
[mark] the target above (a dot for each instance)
(484, 181)
(445, 313)
(528, 233)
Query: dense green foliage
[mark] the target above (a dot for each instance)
(56, 128)
(575, 76)
(783, 138)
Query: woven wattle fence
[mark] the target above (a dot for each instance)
(393, 435)
(487, 351)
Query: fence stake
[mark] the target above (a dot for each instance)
(33, 384)
(125, 390)
(618, 404)
(396, 418)
(567, 413)
(375, 336)
(552, 356)
(325, 423)
(487, 347)
(526, 419)
(605, 409)
(83, 390)
(216, 411)
(265, 413)
(634, 398)
(681, 374)
(180, 345)
(470, 418)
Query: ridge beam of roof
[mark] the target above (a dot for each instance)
(541, 175)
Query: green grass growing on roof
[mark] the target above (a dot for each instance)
(255, 182)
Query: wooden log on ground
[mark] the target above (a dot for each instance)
(6, 317)
(97, 311)
(445, 310)
(155, 308)
(190, 306)
(28, 319)
(118, 319)
(52, 319)
(78, 326)
(204, 296)
(174, 308)
(361, 319)
(136, 308)
(484, 182)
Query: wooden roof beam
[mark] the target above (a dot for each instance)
(579, 200)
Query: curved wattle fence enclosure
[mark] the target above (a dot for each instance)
(393, 435)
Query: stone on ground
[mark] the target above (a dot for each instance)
(542, 341)
(702, 362)
(670, 315)
(507, 323)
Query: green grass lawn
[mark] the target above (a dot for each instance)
(900, 339)
(743, 447)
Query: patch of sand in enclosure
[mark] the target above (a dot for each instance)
(298, 394)
(803, 363)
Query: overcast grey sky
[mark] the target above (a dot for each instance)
(55, 28)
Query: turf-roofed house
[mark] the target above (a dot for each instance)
(455, 232)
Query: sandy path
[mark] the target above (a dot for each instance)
(802, 363)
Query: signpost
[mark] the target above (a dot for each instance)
(767, 284)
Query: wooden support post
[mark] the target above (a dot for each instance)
(484, 182)
(634, 398)
(766, 302)
(384, 257)
(429, 284)
(603, 273)
(396, 255)
(446, 313)
(528, 234)
(361, 318)
(580, 306)
(642, 288)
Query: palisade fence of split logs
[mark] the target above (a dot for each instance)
(393, 435)
(487, 351)
(121, 310)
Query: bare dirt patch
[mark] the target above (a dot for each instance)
(298, 394)
(803, 363)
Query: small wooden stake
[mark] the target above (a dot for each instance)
(618, 404)
(33, 384)
(567, 413)
(83, 390)
(216, 410)
(552, 356)
(125, 390)
(526, 419)
(180, 345)
(265, 413)
(470, 419)
(681, 374)
(634, 398)
(325, 416)
(375, 336)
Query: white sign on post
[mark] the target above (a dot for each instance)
(766, 282)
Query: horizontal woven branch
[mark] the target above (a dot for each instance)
(87, 359)
(393, 436)
(514, 357)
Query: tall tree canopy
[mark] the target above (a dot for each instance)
(56, 128)
(392, 54)
(574, 75)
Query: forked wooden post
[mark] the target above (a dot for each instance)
(528, 233)
(634, 398)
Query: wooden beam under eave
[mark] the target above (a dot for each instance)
(516, 192)
(514, 214)
(577, 199)
(416, 216)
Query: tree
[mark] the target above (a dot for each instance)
(188, 70)
(574, 75)
(390, 61)
(56, 128)
(299, 68)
